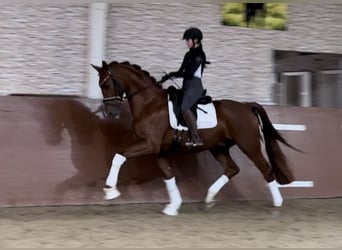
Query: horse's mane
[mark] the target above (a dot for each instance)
(138, 69)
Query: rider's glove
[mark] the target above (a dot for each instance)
(164, 78)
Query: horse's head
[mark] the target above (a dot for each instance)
(112, 90)
(119, 81)
(60, 118)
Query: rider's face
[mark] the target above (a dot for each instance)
(189, 43)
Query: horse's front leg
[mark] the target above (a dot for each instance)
(139, 149)
(171, 187)
(111, 191)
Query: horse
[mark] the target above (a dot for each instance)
(237, 124)
(92, 143)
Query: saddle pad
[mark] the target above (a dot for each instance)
(204, 120)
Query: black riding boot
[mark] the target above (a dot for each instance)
(190, 120)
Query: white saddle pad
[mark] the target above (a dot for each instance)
(205, 119)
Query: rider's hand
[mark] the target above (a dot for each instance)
(164, 78)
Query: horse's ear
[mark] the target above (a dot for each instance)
(104, 65)
(97, 68)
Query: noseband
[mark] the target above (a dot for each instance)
(117, 88)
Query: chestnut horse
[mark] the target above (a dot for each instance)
(238, 124)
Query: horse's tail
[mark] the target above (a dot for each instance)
(282, 171)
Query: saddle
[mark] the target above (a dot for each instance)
(176, 97)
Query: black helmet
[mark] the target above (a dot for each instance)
(193, 33)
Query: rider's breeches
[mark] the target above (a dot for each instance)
(192, 91)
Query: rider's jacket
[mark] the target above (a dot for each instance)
(193, 64)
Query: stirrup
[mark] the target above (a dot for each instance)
(194, 142)
(199, 143)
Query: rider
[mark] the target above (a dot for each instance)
(191, 70)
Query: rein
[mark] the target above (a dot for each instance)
(138, 91)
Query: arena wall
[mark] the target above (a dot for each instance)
(56, 151)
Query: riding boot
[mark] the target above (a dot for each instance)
(190, 120)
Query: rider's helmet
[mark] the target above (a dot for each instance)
(193, 33)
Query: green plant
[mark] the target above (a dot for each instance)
(236, 8)
(275, 23)
(277, 10)
(233, 19)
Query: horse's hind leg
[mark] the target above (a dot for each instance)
(171, 187)
(222, 155)
(264, 167)
(254, 153)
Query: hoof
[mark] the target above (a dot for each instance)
(210, 204)
(210, 197)
(278, 203)
(170, 210)
(111, 193)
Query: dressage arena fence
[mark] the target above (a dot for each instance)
(58, 150)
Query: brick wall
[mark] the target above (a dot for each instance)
(242, 63)
(44, 48)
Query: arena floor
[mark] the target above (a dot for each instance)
(299, 223)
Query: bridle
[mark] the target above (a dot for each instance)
(117, 87)
(122, 96)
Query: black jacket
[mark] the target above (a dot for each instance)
(192, 60)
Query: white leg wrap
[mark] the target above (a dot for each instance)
(276, 195)
(215, 188)
(174, 196)
(112, 178)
